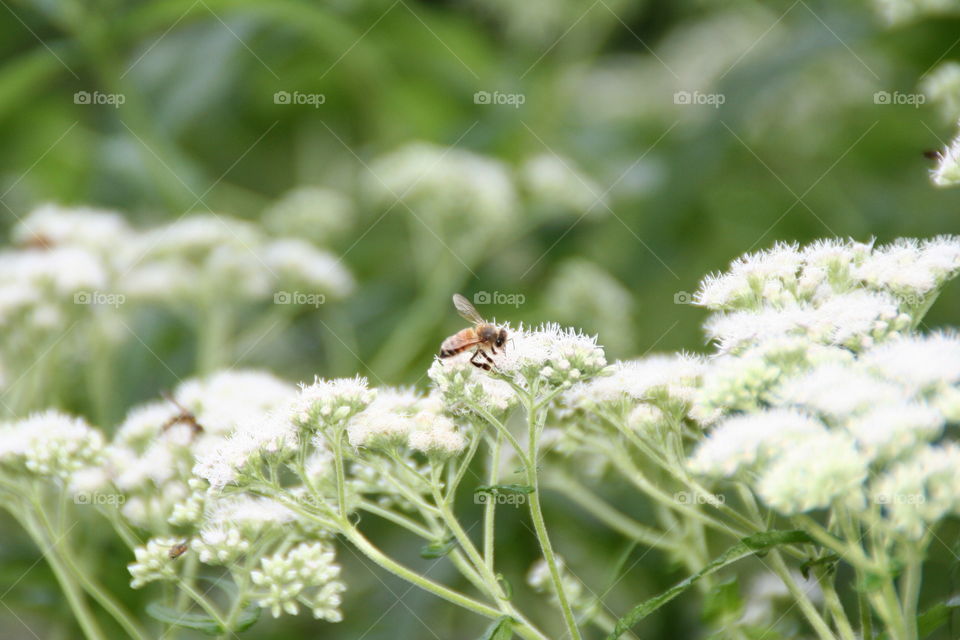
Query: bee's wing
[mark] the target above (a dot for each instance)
(467, 310)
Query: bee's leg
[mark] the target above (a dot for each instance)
(483, 365)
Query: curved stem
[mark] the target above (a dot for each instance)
(540, 526)
(75, 597)
(603, 511)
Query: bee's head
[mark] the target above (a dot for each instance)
(501, 340)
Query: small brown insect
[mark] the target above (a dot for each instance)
(177, 550)
(184, 417)
(37, 241)
(932, 154)
(482, 334)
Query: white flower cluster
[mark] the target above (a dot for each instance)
(825, 424)
(399, 417)
(643, 380)
(834, 292)
(65, 257)
(942, 86)
(446, 185)
(153, 562)
(316, 213)
(327, 403)
(209, 428)
(947, 171)
(304, 575)
(462, 385)
(921, 490)
(50, 444)
(553, 184)
(898, 11)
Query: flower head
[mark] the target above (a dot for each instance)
(153, 562)
(305, 575)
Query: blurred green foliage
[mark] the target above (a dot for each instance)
(798, 150)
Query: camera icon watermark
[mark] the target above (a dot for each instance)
(699, 98)
(97, 498)
(697, 497)
(99, 298)
(900, 498)
(496, 97)
(898, 98)
(96, 97)
(298, 97)
(682, 297)
(299, 298)
(499, 297)
(499, 498)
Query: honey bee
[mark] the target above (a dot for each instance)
(482, 334)
(177, 550)
(184, 417)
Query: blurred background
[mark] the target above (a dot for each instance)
(585, 163)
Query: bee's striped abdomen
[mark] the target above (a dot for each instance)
(458, 342)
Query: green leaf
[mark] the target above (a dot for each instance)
(438, 548)
(201, 621)
(499, 629)
(933, 618)
(494, 489)
(748, 546)
(829, 561)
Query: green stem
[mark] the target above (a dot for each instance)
(373, 553)
(600, 509)
(337, 442)
(490, 508)
(540, 526)
(398, 519)
(839, 616)
(910, 593)
(75, 597)
(783, 572)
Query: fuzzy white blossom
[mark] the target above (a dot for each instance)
(557, 356)
(554, 183)
(51, 225)
(300, 263)
(918, 492)
(838, 391)
(813, 472)
(947, 171)
(942, 86)
(153, 562)
(891, 430)
(220, 545)
(331, 401)
(386, 421)
(919, 363)
(305, 575)
(751, 438)
(462, 385)
(674, 375)
(224, 463)
(315, 213)
(50, 443)
(436, 435)
(446, 185)
(898, 11)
